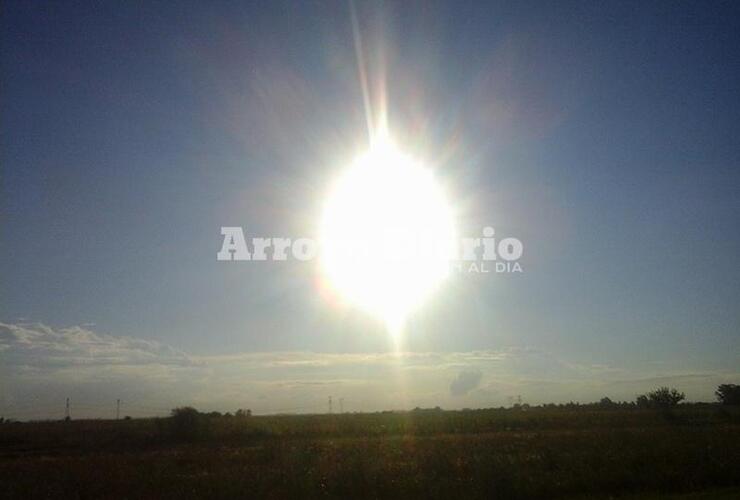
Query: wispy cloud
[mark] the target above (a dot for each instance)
(38, 345)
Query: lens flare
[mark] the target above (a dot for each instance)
(387, 232)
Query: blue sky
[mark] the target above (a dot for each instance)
(603, 135)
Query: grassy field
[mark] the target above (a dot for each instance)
(692, 452)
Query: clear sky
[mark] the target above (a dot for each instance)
(604, 135)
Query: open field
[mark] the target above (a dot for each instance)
(692, 452)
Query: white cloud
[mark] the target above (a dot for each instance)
(465, 382)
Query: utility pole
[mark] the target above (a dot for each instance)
(330, 410)
(67, 415)
(341, 405)
(118, 409)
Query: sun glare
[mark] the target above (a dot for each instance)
(387, 232)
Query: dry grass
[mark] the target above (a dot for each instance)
(540, 453)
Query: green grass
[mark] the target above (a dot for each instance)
(539, 453)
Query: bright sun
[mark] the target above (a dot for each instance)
(387, 232)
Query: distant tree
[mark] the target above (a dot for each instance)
(665, 396)
(728, 394)
(662, 397)
(186, 422)
(606, 402)
(243, 413)
(184, 412)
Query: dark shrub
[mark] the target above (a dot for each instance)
(187, 423)
(240, 413)
(606, 402)
(663, 397)
(728, 394)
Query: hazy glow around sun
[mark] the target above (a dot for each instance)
(387, 233)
